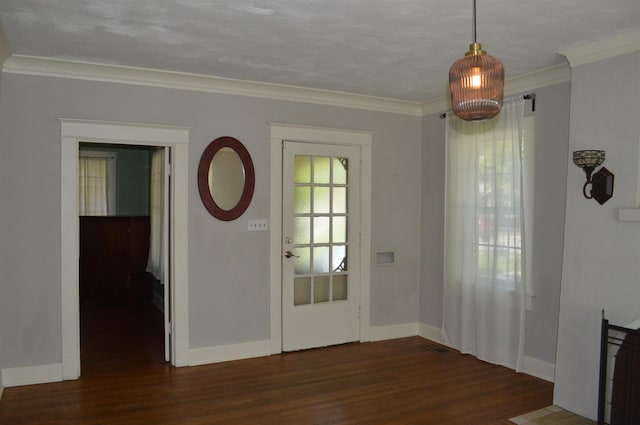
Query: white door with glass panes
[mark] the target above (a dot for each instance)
(320, 290)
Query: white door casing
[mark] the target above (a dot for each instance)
(166, 254)
(360, 140)
(177, 138)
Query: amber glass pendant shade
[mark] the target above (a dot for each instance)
(476, 84)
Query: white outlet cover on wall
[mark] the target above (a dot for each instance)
(260, 225)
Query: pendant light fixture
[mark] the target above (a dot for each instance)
(476, 82)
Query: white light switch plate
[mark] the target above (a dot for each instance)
(258, 225)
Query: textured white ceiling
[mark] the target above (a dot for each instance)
(399, 49)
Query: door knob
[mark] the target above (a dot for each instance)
(290, 254)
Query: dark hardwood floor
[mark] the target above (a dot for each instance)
(405, 381)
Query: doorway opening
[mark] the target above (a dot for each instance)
(173, 139)
(123, 278)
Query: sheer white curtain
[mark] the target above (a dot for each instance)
(93, 185)
(484, 288)
(155, 265)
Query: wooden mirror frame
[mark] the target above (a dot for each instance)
(203, 178)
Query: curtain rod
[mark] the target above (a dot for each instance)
(529, 96)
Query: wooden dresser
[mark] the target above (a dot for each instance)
(113, 259)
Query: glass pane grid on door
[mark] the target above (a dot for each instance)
(320, 229)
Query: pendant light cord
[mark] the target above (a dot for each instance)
(474, 21)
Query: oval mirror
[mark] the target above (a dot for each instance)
(226, 178)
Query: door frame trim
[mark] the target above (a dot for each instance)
(280, 133)
(73, 132)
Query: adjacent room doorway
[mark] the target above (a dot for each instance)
(124, 195)
(173, 139)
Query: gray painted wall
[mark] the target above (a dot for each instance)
(432, 231)
(550, 191)
(601, 254)
(228, 266)
(550, 171)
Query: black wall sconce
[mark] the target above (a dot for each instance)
(601, 182)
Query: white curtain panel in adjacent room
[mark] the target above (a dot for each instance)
(155, 264)
(93, 186)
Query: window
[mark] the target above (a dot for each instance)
(96, 183)
(502, 200)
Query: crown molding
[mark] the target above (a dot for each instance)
(603, 49)
(47, 67)
(435, 106)
(521, 84)
(540, 78)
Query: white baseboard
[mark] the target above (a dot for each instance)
(13, 377)
(430, 332)
(539, 369)
(379, 333)
(206, 355)
(224, 353)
